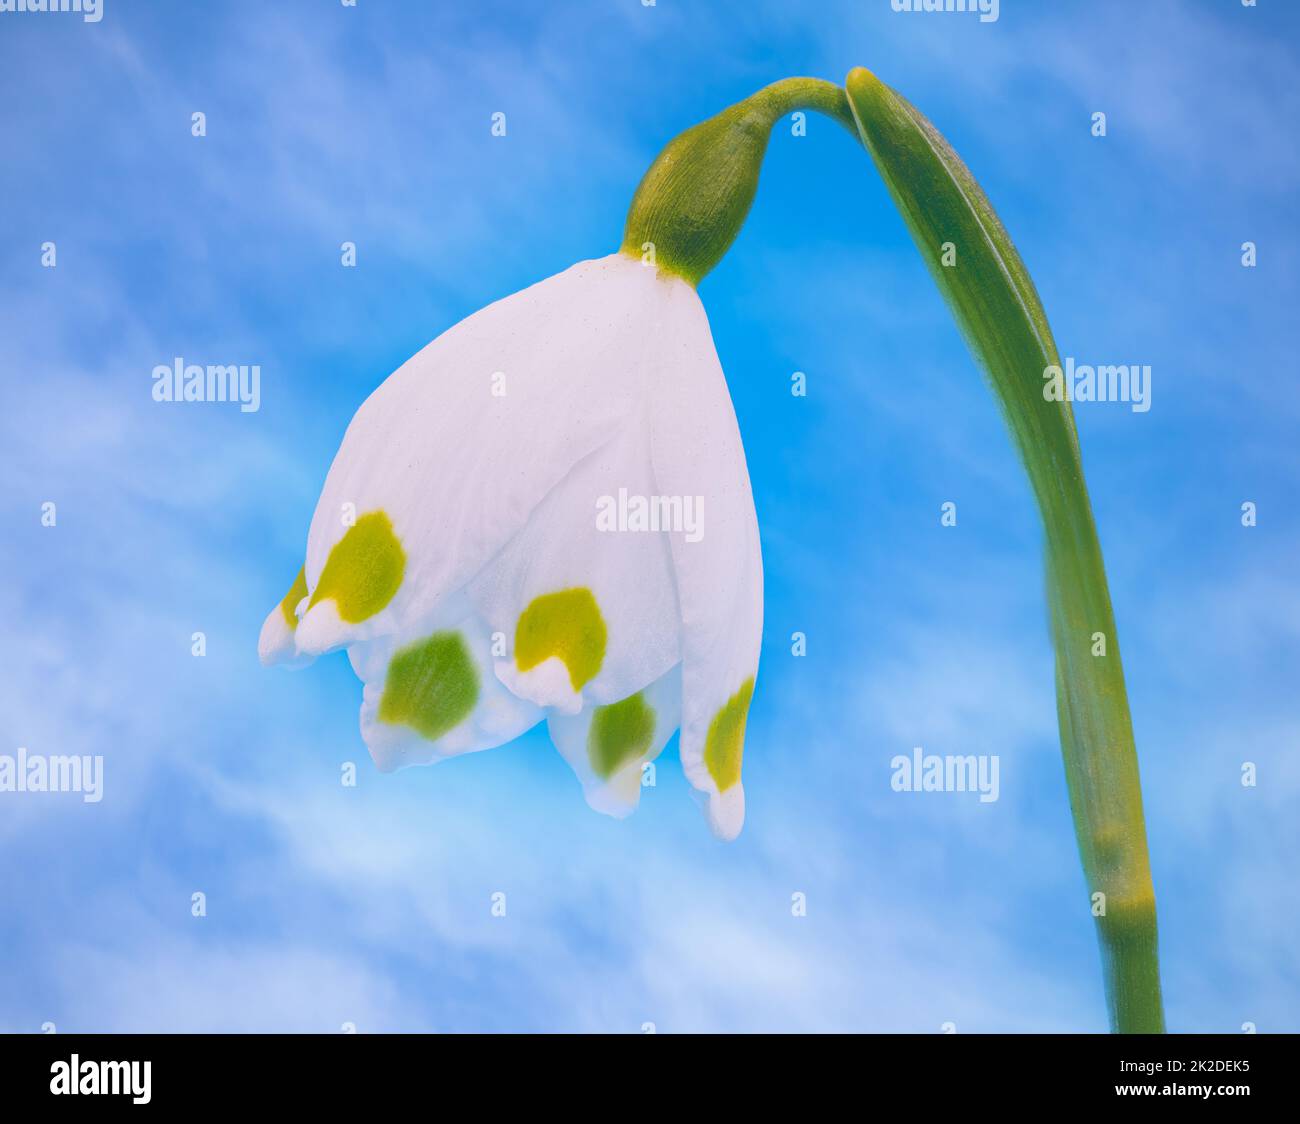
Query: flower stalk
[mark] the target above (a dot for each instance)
(687, 211)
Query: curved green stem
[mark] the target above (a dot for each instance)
(687, 211)
(793, 94)
(989, 291)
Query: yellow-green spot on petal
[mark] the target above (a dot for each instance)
(620, 732)
(726, 741)
(567, 625)
(432, 686)
(364, 569)
(296, 593)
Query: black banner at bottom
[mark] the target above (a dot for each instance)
(337, 1072)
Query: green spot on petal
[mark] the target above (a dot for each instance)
(296, 593)
(620, 732)
(726, 740)
(364, 569)
(568, 625)
(432, 686)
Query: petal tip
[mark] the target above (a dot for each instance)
(726, 812)
(276, 644)
(546, 685)
(617, 797)
(321, 629)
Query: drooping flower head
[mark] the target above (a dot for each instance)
(546, 514)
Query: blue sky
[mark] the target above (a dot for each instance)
(370, 905)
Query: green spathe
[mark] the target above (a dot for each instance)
(692, 201)
(431, 687)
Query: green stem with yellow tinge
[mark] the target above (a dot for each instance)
(687, 211)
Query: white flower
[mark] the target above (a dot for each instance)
(458, 554)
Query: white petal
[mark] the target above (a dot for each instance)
(450, 705)
(617, 580)
(459, 446)
(697, 451)
(464, 498)
(321, 629)
(609, 758)
(277, 643)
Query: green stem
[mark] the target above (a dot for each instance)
(980, 274)
(686, 213)
(793, 94)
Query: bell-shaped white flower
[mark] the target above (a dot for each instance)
(547, 513)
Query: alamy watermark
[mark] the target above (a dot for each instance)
(92, 11)
(1083, 383)
(76, 1077)
(189, 382)
(33, 772)
(929, 772)
(629, 512)
(987, 9)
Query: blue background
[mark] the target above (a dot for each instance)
(370, 905)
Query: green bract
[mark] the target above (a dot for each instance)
(692, 202)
